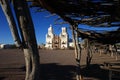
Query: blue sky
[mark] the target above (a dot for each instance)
(41, 24)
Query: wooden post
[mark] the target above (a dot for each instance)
(12, 25)
(74, 41)
(79, 76)
(116, 53)
(89, 53)
(111, 50)
(29, 40)
(77, 52)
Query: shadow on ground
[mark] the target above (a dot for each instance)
(57, 72)
(1, 78)
(67, 72)
(96, 72)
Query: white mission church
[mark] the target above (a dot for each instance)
(57, 42)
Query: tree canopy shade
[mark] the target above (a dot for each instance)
(97, 13)
(88, 11)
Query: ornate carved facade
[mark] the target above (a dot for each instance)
(56, 42)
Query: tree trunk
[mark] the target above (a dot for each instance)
(77, 53)
(29, 40)
(27, 33)
(74, 41)
(115, 52)
(79, 76)
(9, 16)
(111, 50)
(89, 54)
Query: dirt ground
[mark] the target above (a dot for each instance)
(54, 64)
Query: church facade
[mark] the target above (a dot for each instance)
(57, 42)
